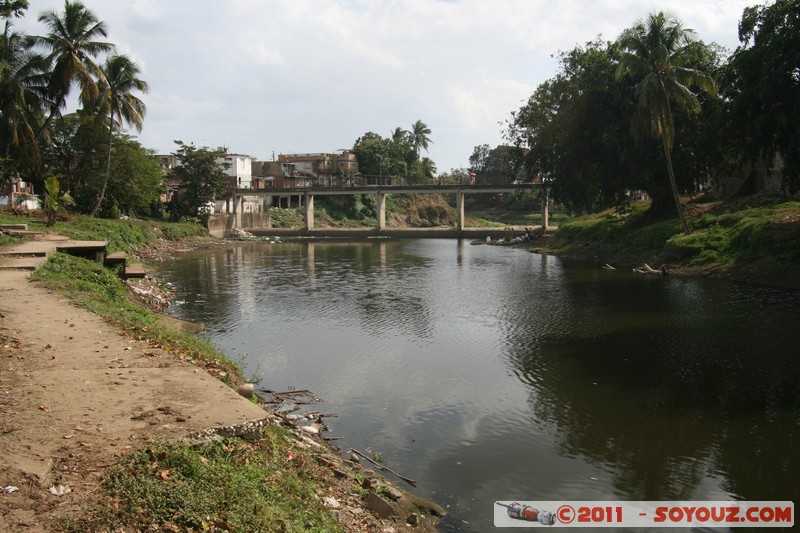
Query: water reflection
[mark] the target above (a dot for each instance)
(492, 373)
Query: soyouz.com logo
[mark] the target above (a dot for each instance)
(644, 514)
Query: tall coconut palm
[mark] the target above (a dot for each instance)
(428, 168)
(22, 91)
(657, 51)
(400, 136)
(71, 46)
(420, 136)
(116, 100)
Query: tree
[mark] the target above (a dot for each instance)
(477, 161)
(115, 98)
(12, 8)
(573, 134)
(76, 155)
(400, 136)
(202, 180)
(420, 136)
(21, 97)
(71, 46)
(54, 200)
(656, 51)
(136, 181)
(424, 171)
(380, 157)
(763, 86)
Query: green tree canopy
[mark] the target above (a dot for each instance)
(380, 157)
(71, 44)
(500, 165)
(763, 85)
(116, 100)
(202, 180)
(22, 92)
(657, 52)
(420, 137)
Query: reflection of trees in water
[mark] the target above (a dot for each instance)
(661, 382)
(285, 277)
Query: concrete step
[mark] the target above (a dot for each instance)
(22, 263)
(88, 249)
(23, 227)
(115, 258)
(135, 270)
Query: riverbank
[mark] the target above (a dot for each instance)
(752, 240)
(84, 402)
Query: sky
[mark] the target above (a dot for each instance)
(264, 77)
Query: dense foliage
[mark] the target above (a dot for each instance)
(105, 171)
(201, 178)
(641, 113)
(762, 85)
(397, 156)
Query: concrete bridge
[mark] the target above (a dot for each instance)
(381, 192)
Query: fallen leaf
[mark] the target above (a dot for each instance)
(164, 474)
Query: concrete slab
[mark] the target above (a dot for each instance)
(22, 263)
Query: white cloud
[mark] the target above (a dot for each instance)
(313, 75)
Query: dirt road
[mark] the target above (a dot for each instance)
(76, 394)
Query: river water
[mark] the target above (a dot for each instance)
(489, 373)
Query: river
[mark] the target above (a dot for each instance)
(495, 374)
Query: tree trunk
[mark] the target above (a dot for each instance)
(108, 167)
(674, 187)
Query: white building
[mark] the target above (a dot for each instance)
(239, 169)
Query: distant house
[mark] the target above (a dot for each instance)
(18, 193)
(238, 168)
(327, 169)
(278, 175)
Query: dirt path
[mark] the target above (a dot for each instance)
(76, 394)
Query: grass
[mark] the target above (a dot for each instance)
(120, 234)
(766, 233)
(230, 485)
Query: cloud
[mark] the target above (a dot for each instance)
(313, 75)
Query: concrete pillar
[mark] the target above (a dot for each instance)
(237, 211)
(460, 211)
(309, 211)
(381, 211)
(545, 211)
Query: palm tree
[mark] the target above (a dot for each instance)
(419, 136)
(400, 136)
(115, 99)
(71, 46)
(428, 168)
(657, 51)
(22, 91)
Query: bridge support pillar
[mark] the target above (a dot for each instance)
(545, 211)
(237, 210)
(381, 211)
(309, 211)
(460, 210)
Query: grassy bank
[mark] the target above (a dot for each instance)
(227, 485)
(756, 238)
